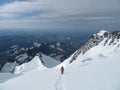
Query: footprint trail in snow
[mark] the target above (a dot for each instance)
(60, 84)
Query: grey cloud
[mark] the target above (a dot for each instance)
(60, 12)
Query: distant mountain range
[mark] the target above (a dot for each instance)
(18, 48)
(59, 50)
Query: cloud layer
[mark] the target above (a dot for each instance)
(45, 14)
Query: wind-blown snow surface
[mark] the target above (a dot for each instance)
(100, 73)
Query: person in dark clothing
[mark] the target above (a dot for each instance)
(62, 70)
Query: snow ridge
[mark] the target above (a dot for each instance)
(34, 64)
(107, 39)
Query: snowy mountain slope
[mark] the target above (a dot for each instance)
(34, 64)
(102, 73)
(49, 62)
(36, 80)
(37, 63)
(40, 58)
(98, 74)
(6, 76)
(102, 43)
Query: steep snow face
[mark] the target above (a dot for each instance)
(34, 64)
(101, 43)
(49, 62)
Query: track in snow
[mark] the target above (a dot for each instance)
(60, 84)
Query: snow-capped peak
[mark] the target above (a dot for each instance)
(103, 42)
(102, 32)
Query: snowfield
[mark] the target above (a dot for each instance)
(100, 73)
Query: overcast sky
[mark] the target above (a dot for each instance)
(60, 14)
